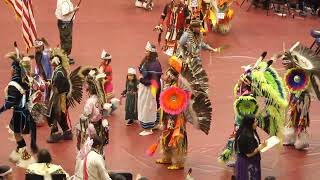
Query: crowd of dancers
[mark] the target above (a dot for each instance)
(164, 100)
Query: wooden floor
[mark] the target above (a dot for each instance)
(123, 30)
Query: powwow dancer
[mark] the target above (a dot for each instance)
(149, 90)
(43, 70)
(302, 79)
(106, 70)
(218, 15)
(131, 95)
(191, 43)
(184, 99)
(17, 96)
(260, 80)
(92, 120)
(66, 91)
(176, 17)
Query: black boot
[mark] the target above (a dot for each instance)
(67, 135)
(54, 138)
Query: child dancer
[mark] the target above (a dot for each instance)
(131, 93)
(105, 67)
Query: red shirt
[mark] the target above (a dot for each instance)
(179, 17)
(107, 69)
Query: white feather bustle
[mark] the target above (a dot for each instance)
(302, 141)
(289, 136)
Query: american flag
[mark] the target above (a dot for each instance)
(24, 12)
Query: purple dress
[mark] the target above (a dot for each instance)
(247, 168)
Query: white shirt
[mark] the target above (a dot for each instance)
(95, 167)
(63, 8)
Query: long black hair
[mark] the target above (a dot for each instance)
(44, 156)
(153, 56)
(246, 128)
(134, 80)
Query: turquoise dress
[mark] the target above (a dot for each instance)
(131, 94)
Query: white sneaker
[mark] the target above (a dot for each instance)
(138, 4)
(146, 132)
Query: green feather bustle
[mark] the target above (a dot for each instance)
(245, 105)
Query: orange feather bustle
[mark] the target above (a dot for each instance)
(174, 100)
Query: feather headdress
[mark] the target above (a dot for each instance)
(58, 52)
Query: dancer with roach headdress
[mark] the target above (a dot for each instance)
(93, 119)
(176, 17)
(184, 99)
(66, 91)
(260, 80)
(17, 95)
(302, 79)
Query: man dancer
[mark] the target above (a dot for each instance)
(176, 14)
(65, 15)
(191, 42)
(58, 101)
(16, 95)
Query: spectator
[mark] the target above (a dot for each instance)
(6, 173)
(92, 165)
(44, 167)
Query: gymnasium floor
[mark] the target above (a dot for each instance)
(123, 30)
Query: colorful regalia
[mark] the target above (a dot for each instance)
(260, 80)
(131, 94)
(302, 80)
(149, 90)
(220, 15)
(175, 15)
(43, 69)
(214, 14)
(191, 43)
(46, 170)
(184, 99)
(106, 70)
(17, 97)
(66, 91)
(92, 120)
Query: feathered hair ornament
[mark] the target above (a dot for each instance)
(303, 57)
(58, 56)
